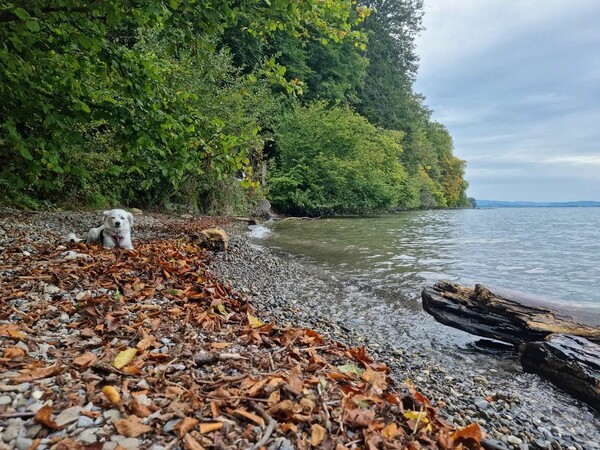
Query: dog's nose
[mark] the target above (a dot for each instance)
(117, 224)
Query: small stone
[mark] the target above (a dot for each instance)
(5, 400)
(170, 425)
(281, 444)
(35, 407)
(37, 395)
(143, 385)
(111, 414)
(514, 440)
(51, 289)
(480, 379)
(130, 443)
(85, 422)
(69, 415)
(109, 446)
(88, 436)
(23, 443)
(13, 431)
(33, 430)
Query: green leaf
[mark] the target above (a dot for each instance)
(117, 295)
(33, 25)
(21, 14)
(85, 108)
(351, 368)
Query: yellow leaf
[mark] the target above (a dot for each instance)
(124, 357)
(317, 434)
(208, 427)
(221, 309)
(112, 394)
(421, 416)
(254, 321)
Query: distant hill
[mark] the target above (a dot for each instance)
(499, 204)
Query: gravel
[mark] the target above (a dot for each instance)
(517, 410)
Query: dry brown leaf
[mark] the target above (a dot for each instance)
(220, 345)
(294, 379)
(472, 431)
(191, 443)
(146, 343)
(13, 352)
(359, 417)
(138, 409)
(124, 357)
(132, 426)
(274, 398)
(390, 431)
(214, 409)
(38, 374)
(208, 427)
(283, 408)
(317, 434)
(250, 416)
(377, 380)
(112, 394)
(86, 360)
(186, 425)
(43, 416)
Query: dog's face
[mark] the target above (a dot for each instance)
(118, 219)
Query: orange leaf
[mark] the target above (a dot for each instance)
(112, 394)
(214, 409)
(138, 409)
(145, 343)
(43, 416)
(390, 431)
(253, 417)
(294, 379)
(208, 427)
(220, 345)
(38, 374)
(191, 443)
(317, 434)
(471, 431)
(186, 425)
(131, 426)
(86, 360)
(13, 352)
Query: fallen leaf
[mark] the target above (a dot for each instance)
(208, 427)
(124, 357)
(139, 409)
(112, 394)
(317, 434)
(131, 426)
(472, 431)
(377, 380)
(250, 416)
(359, 417)
(13, 352)
(38, 374)
(350, 368)
(254, 321)
(186, 425)
(43, 416)
(146, 343)
(390, 431)
(191, 443)
(294, 379)
(86, 360)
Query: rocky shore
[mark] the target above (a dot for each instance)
(64, 325)
(519, 410)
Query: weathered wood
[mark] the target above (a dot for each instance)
(570, 362)
(506, 316)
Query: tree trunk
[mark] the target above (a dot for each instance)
(507, 316)
(571, 363)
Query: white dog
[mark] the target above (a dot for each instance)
(115, 231)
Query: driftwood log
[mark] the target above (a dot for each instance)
(570, 362)
(507, 316)
(557, 340)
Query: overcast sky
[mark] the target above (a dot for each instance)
(517, 84)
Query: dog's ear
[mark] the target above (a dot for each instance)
(106, 214)
(130, 219)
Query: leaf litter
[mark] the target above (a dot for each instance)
(152, 340)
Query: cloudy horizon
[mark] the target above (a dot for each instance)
(517, 84)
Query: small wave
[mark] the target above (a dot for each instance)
(259, 232)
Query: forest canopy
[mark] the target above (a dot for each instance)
(186, 102)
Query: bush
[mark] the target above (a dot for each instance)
(333, 161)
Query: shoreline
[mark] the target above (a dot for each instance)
(289, 286)
(293, 293)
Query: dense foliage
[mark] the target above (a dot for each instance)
(153, 103)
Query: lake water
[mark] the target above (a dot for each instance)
(553, 252)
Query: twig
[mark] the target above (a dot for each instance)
(270, 428)
(232, 397)
(421, 412)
